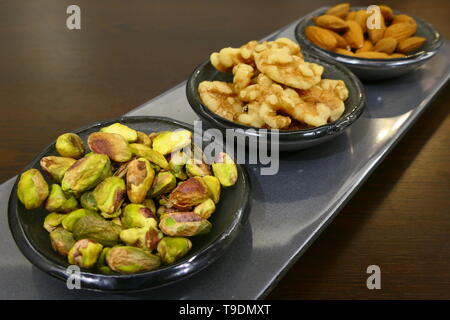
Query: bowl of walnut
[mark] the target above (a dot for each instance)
(300, 99)
(375, 42)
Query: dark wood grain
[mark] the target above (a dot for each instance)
(53, 80)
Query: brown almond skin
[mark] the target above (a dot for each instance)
(350, 16)
(366, 47)
(341, 43)
(361, 18)
(403, 18)
(397, 55)
(386, 45)
(339, 10)
(331, 22)
(372, 55)
(387, 12)
(344, 52)
(400, 31)
(354, 35)
(410, 44)
(321, 37)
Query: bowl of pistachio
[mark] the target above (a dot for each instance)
(130, 203)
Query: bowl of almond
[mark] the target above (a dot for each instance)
(375, 42)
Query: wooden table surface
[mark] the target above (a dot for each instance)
(53, 80)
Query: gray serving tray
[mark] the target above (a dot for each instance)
(289, 210)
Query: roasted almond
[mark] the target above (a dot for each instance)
(354, 35)
(321, 37)
(341, 43)
(387, 12)
(386, 45)
(329, 21)
(372, 55)
(339, 10)
(399, 18)
(410, 44)
(397, 55)
(344, 52)
(400, 31)
(376, 35)
(350, 15)
(361, 17)
(366, 47)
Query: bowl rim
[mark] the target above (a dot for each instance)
(106, 283)
(412, 59)
(286, 135)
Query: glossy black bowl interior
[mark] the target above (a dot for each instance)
(33, 240)
(375, 69)
(288, 139)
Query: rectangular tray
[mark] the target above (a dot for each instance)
(289, 210)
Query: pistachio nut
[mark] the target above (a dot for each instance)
(86, 174)
(213, 185)
(110, 194)
(170, 141)
(225, 169)
(184, 224)
(130, 135)
(59, 202)
(172, 249)
(129, 260)
(53, 220)
(111, 144)
(139, 179)
(189, 194)
(163, 183)
(84, 253)
(32, 189)
(98, 229)
(70, 145)
(62, 241)
(205, 209)
(155, 157)
(56, 166)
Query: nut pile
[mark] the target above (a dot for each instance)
(273, 87)
(129, 205)
(346, 32)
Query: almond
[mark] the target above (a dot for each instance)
(354, 35)
(341, 43)
(366, 47)
(350, 15)
(386, 45)
(404, 18)
(387, 12)
(397, 55)
(372, 55)
(339, 10)
(331, 22)
(361, 17)
(376, 35)
(410, 44)
(344, 52)
(321, 37)
(400, 31)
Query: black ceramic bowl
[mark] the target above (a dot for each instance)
(375, 69)
(33, 240)
(288, 139)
